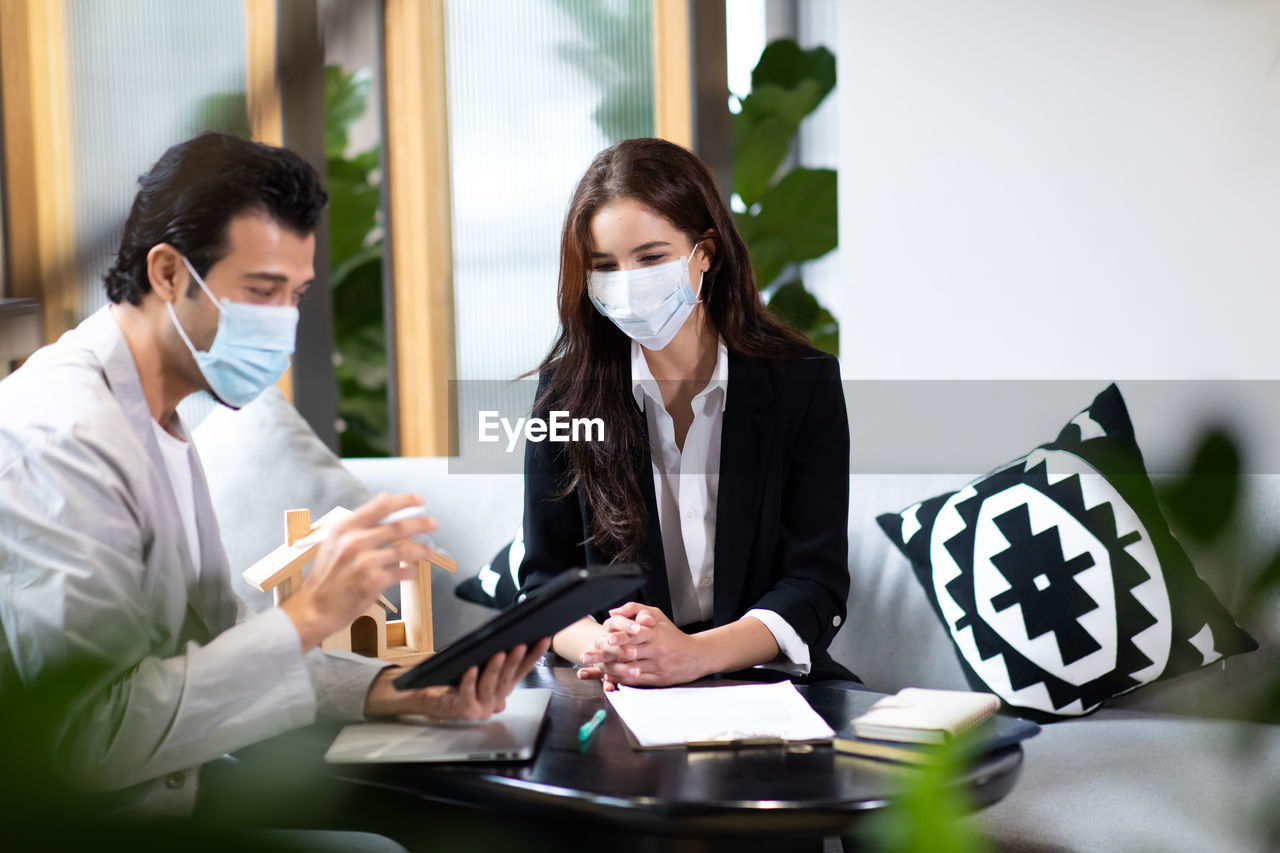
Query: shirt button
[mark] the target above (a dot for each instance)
(835, 621)
(691, 514)
(706, 582)
(175, 780)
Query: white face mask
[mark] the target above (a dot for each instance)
(649, 304)
(250, 350)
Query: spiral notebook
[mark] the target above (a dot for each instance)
(924, 715)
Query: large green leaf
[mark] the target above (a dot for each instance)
(786, 86)
(784, 64)
(770, 257)
(794, 304)
(356, 168)
(353, 212)
(339, 275)
(346, 94)
(790, 104)
(797, 306)
(357, 299)
(762, 134)
(796, 222)
(759, 148)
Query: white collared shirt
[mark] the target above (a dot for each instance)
(686, 484)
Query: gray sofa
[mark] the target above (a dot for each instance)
(1153, 771)
(1165, 768)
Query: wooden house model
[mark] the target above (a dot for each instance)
(403, 641)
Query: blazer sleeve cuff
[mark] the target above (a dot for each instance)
(342, 681)
(793, 657)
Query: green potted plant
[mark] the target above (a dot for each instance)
(787, 216)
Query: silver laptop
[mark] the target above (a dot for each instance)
(511, 735)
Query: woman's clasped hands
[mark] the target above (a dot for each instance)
(639, 646)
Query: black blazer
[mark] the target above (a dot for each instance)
(781, 539)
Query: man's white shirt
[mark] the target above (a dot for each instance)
(177, 462)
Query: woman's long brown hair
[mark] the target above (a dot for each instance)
(588, 369)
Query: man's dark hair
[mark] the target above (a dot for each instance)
(194, 191)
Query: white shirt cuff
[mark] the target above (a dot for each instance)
(793, 657)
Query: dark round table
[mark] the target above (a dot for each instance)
(750, 797)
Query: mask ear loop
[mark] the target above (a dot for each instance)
(692, 252)
(173, 315)
(200, 281)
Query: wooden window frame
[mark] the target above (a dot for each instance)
(416, 183)
(38, 162)
(419, 263)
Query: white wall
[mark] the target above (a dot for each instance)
(1060, 188)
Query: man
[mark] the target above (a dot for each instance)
(110, 558)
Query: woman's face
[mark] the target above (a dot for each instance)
(627, 235)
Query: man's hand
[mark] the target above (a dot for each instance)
(639, 645)
(354, 565)
(478, 696)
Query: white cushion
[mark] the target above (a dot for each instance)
(260, 461)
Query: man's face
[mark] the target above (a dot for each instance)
(265, 264)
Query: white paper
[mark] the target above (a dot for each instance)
(674, 716)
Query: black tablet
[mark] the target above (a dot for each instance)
(563, 601)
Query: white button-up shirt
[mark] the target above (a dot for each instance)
(686, 484)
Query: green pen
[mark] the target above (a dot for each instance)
(587, 729)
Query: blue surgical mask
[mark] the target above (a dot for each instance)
(649, 304)
(250, 350)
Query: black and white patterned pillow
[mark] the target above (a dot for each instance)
(1057, 576)
(497, 582)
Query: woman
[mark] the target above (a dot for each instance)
(724, 465)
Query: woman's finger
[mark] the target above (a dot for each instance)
(609, 641)
(621, 672)
(620, 623)
(628, 610)
(593, 656)
(587, 673)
